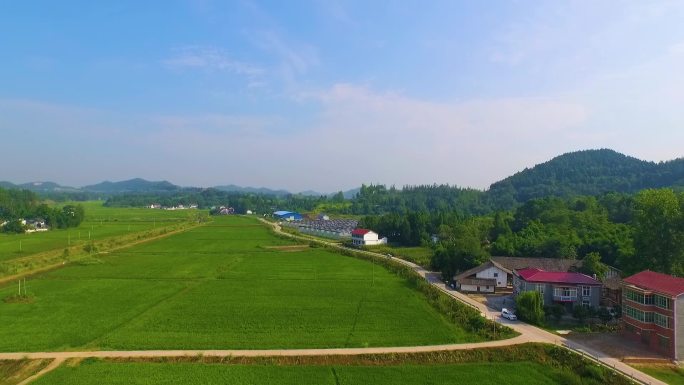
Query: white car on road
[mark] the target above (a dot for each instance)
(505, 313)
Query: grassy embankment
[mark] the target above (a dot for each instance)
(419, 255)
(225, 285)
(670, 374)
(530, 364)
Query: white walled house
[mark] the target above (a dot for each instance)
(365, 237)
(484, 278)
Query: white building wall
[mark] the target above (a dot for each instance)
(494, 272)
(477, 288)
(370, 237)
(468, 287)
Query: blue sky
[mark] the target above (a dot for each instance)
(327, 95)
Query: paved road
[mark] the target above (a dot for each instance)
(528, 333)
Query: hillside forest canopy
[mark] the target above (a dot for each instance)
(630, 232)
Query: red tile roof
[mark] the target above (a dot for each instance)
(360, 231)
(659, 282)
(538, 275)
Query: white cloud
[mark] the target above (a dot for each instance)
(210, 58)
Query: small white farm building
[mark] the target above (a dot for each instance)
(484, 278)
(365, 237)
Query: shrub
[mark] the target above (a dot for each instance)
(556, 311)
(530, 308)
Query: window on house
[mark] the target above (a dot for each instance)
(540, 288)
(496, 275)
(640, 315)
(586, 291)
(661, 302)
(663, 342)
(661, 320)
(648, 316)
(634, 296)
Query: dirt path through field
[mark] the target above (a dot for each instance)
(53, 365)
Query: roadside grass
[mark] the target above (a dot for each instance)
(419, 255)
(14, 371)
(525, 364)
(219, 286)
(670, 374)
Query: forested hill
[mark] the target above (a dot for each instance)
(589, 172)
(136, 185)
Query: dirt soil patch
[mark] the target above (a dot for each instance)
(13, 372)
(615, 345)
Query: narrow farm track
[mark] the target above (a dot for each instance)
(52, 366)
(527, 332)
(265, 352)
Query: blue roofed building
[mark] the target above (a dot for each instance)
(288, 215)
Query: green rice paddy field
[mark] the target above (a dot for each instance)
(108, 373)
(100, 222)
(222, 285)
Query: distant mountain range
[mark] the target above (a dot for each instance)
(39, 187)
(131, 186)
(139, 185)
(588, 172)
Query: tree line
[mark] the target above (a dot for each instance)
(208, 198)
(630, 232)
(16, 205)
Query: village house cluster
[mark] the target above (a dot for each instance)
(652, 303)
(323, 226)
(30, 225)
(177, 207)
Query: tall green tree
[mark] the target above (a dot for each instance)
(658, 232)
(530, 307)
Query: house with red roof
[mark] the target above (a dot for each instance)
(365, 237)
(653, 312)
(566, 288)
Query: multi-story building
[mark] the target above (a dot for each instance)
(565, 288)
(653, 311)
